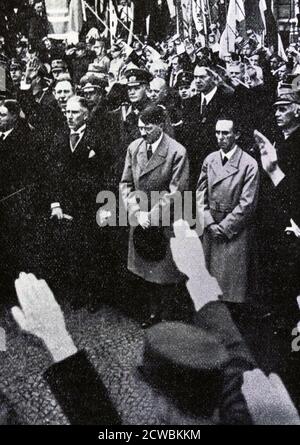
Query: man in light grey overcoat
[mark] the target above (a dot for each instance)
(229, 181)
(154, 163)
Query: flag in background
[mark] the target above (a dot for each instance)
(273, 38)
(255, 20)
(214, 10)
(113, 20)
(200, 13)
(142, 9)
(172, 8)
(75, 16)
(187, 17)
(58, 18)
(2, 78)
(65, 19)
(234, 22)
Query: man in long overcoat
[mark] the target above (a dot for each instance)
(154, 163)
(229, 181)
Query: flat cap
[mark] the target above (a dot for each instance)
(97, 69)
(90, 81)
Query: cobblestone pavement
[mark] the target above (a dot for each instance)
(114, 344)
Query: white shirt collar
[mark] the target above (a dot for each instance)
(156, 144)
(289, 132)
(208, 96)
(80, 130)
(6, 133)
(229, 154)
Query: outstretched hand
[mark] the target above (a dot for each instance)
(39, 314)
(267, 150)
(267, 399)
(269, 158)
(188, 255)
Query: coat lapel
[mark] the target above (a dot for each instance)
(231, 168)
(142, 156)
(84, 146)
(158, 157)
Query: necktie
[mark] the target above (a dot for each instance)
(149, 152)
(203, 106)
(74, 137)
(224, 160)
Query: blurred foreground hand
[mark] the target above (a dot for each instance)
(188, 255)
(267, 399)
(39, 314)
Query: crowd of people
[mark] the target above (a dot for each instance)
(149, 123)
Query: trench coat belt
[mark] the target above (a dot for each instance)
(219, 207)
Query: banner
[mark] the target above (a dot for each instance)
(75, 16)
(187, 17)
(235, 16)
(172, 8)
(200, 15)
(255, 20)
(65, 19)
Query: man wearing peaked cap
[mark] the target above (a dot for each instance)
(16, 69)
(58, 66)
(137, 76)
(92, 88)
(280, 197)
(183, 84)
(125, 118)
(288, 93)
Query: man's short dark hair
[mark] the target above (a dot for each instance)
(154, 114)
(230, 117)
(12, 106)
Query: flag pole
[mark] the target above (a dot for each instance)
(127, 29)
(238, 5)
(105, 25)
(96, 15)
(209, 12)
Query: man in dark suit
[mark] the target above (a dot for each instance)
(46, 117)
(199, 119)
(279, 207)
(78, 163)
(19, 173)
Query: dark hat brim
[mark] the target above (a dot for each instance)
(150, 244)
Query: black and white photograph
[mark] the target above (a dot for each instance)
(149, 215)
